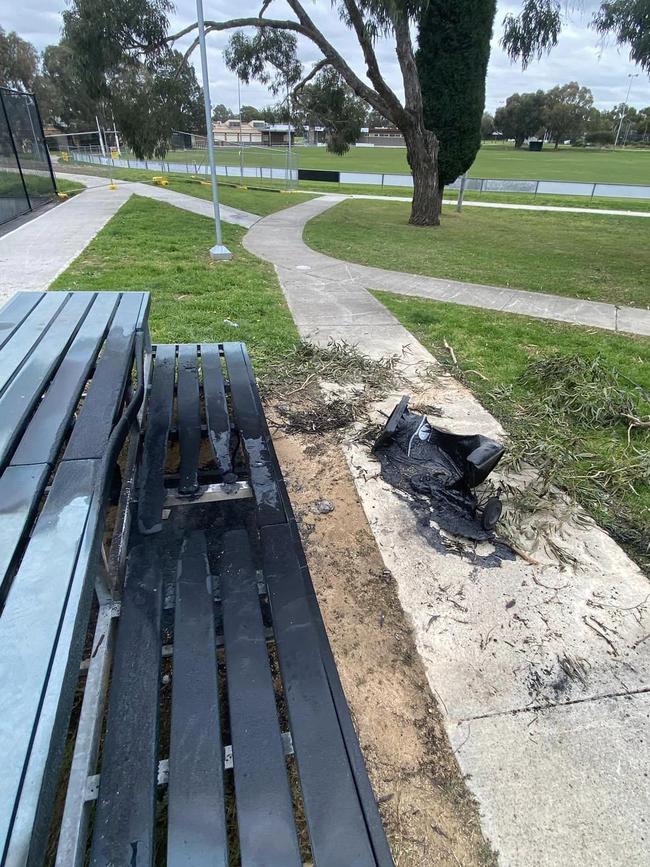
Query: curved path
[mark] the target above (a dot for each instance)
(328, 297)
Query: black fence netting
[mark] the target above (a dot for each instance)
(26, 176)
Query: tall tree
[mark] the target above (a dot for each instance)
(18, 61)
(521, 116)
(133, 27)
(330, 103)
(566, 111)
(62, 95)
(151, 102)
(487, 126)
(452, 57)
(249, 113)
(221, 113)
(104, 33)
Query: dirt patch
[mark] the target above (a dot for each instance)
(428, 813)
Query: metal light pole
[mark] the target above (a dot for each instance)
(630, 75)
(289, 155)
(241, 153)
(218, 252)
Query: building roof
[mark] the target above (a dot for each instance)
(234, 126)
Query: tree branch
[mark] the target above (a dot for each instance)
(406, 58)
(306, 27)
(350, 77)
(374, 73)
(316, 69)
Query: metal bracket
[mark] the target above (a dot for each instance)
(209, 494)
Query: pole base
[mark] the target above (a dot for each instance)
(219, 253)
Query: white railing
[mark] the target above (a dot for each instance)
(386, 179)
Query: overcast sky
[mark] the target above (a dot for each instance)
(579, 56)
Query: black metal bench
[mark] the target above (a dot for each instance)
(213, 727)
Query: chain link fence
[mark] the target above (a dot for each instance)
(26, 176)
(272, 167)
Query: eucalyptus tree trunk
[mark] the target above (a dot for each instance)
(422, 156)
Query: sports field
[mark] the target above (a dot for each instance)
(493, 161)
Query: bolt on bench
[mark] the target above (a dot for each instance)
(168, 694)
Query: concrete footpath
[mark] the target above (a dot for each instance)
(328, 297)
(35, 253)
(540, 665)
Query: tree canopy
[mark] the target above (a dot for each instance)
(453, 53)
(521, 117)
(18, 61)
(330, 103)
(535, 30)
(566, 110)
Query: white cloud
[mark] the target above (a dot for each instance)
(578, 56)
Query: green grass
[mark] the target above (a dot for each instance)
(492, 161)
(595, 463)
(153, 247)
(369, 189)
(582, 256)
(254, 200)
(70, 188)
(37, 185)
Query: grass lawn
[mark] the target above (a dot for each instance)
(255, 201)
(261, 202)
(582, 256)
(493, 161)
(153, 247)
(550, 429)
(230, 193)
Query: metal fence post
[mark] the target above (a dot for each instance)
(47, 151)
(13, 145)
(461, 192)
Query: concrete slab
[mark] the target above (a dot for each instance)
(587, 801)
(497, 633)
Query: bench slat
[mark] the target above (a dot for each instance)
(44, 433)
(337, 828)
(161, 400)
(126, 804)
(196, 834)
(15, 311)
(216, 407)
(379, 842)
(20, 490)
(270, 509)
(267, 833)
(101, 406)
(27, 335)
(26, 387)
(189, 418)
(31, 621)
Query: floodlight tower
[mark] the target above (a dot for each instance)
(630, 75)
